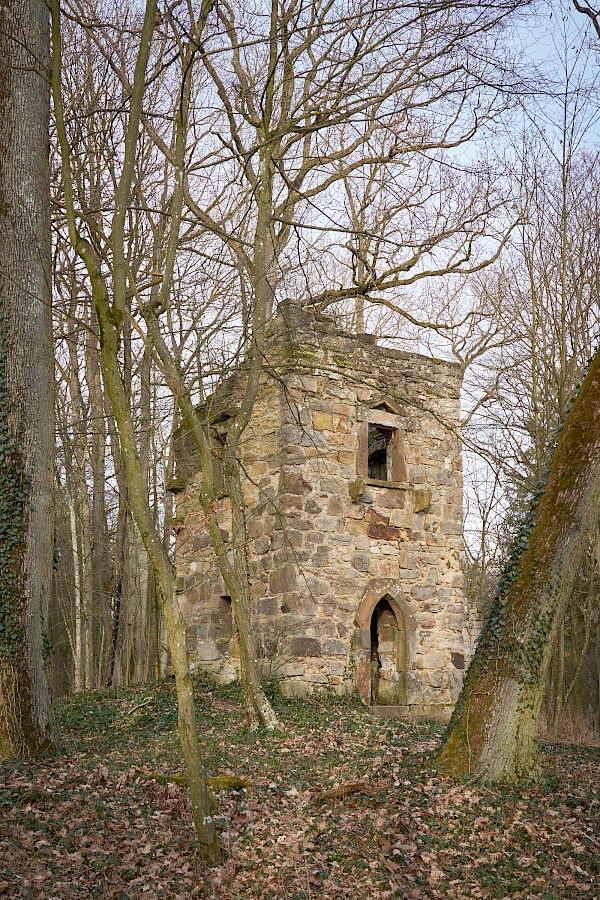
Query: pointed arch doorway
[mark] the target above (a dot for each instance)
(388, 655)
(384, 642)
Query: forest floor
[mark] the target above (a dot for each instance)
(101, 819)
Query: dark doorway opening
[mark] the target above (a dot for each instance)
(388, 656)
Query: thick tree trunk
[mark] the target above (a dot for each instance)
(493, 732)
(26, 378)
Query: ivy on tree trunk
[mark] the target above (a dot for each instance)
(493, 731)
(26, 378)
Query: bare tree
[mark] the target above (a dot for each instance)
(110, 299)
(312, 108)
(283, 117)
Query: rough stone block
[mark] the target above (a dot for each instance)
(436, 678)
(363, 639)
(262, 544)
(433, 606)
(410, 574)
(389, 499)
(435, 660)
(267, 606)
(335, 507)
(322, 421)
(283, 580)
(382, 532)
(294, 687)
(317, 587)
(295, 483)
(375, 518)
(337, 667)
(304, 646)
(361, 561)
(293, 669)
(332, 647)
(206, 651)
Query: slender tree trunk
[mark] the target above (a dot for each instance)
(161, 636)
(87, 593)
(26, 378)
(205, 830)
(120, 555)
(100, 561)
(143, 632)
(258, 709)
(79, 683)
(110, 305)
(493, 732)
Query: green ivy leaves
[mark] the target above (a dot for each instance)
(14, 505)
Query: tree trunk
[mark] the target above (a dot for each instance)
(100, 546)
(576, 656)
(110, 315)
(493, 732)
(120, 555)
(78, 683)
(258, 709)
(143, 632)
(26, 378)
(205, 829)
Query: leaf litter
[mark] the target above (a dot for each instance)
(338, 804)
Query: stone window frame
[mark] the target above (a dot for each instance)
(382, 416)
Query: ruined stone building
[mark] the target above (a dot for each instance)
(354, 522)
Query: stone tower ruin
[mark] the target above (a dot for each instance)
(354, 522)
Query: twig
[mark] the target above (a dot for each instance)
(138, 706)
(353, 787)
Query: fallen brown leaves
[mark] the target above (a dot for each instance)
(341, 805)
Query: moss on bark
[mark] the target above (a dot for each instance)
(493, 731)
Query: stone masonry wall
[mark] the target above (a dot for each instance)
(327, 545)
